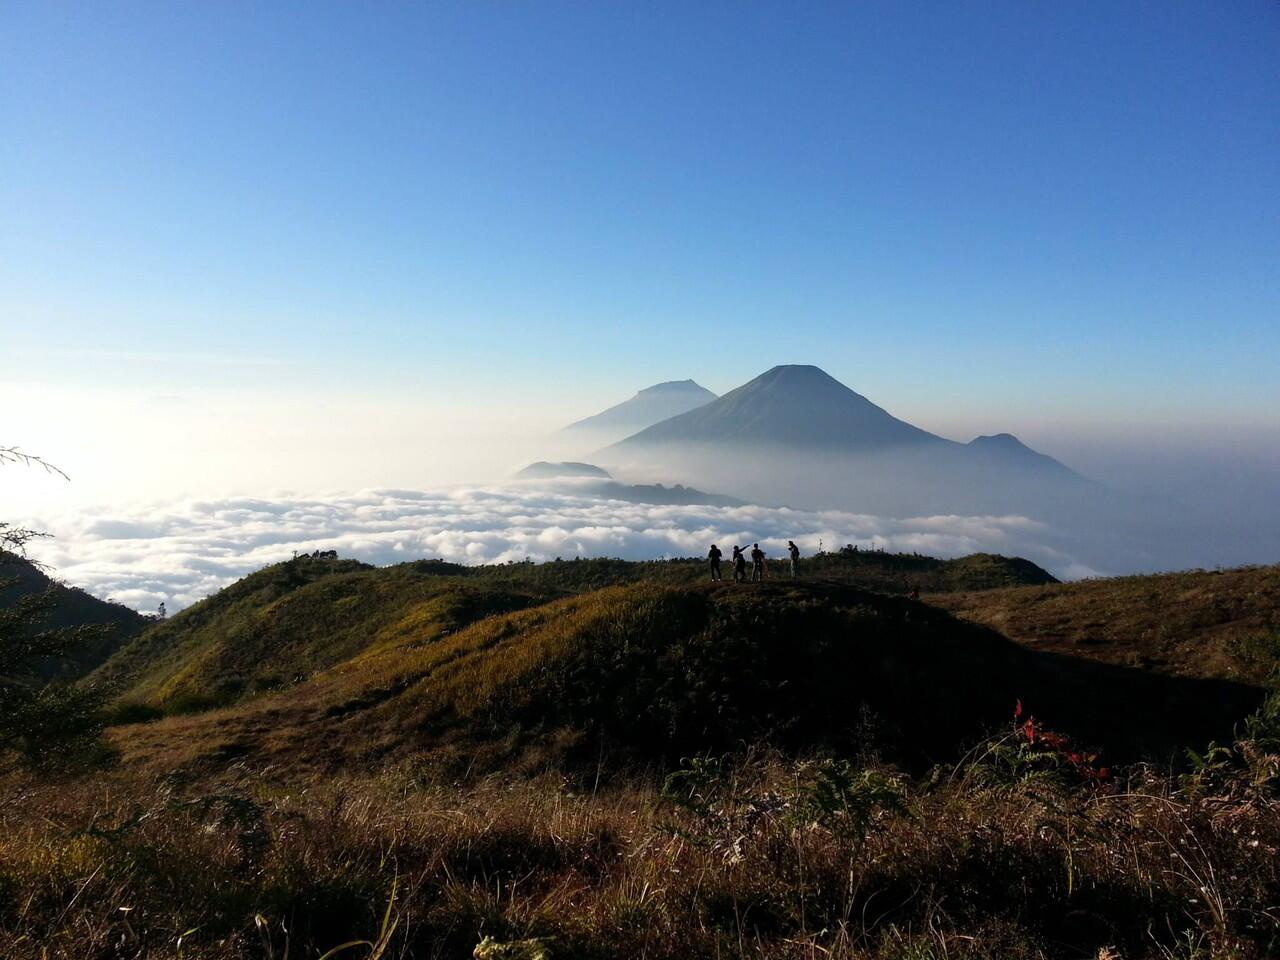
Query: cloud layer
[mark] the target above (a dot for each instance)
(179, 552)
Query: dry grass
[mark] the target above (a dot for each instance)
(353, 808)
(760, 865)
(1195, 624)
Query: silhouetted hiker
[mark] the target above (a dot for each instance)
(739, 565)
(757, 563)
(714, 556)
(794, 551)
(914, 594)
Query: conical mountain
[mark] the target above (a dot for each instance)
(1007, 450)
(792, 405)
(649, 406)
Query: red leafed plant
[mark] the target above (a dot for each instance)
(1032, 735)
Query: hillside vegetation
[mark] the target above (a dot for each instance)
(606, 761)
(645, 672)
(1218, 623)
(288, 621)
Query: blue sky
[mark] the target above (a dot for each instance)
(1059, 210)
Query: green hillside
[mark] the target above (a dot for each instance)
(641, 672)
(284, 623)
(613, 760)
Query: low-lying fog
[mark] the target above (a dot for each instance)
(178, 552)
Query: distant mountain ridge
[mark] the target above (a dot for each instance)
(544, 470)
(802, 406)
(577, 477)
(798, 437)
(649, 406)
(794, 405)
(1007, 448)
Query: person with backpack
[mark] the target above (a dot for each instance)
(714, 556)
(757, 563)
(739, 565)
(794, 553)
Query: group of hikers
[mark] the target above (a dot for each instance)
(758, 566)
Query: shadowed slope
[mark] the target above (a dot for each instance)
(68, 607)
(281, 624)
(652, 673)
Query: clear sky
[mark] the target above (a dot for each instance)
(1028, 212)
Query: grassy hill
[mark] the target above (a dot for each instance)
(471, 762)
(326, 662)
(284, 623)
(642, 673)
(1217, 623)
(904, 572)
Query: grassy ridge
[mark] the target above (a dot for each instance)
(288, 621)
(477, 757)
(647, 673)
(1220, 623)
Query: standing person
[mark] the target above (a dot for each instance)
(739, 565)
(757, 563)
(794, 553)
(714, 556)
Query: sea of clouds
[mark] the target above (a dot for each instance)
(178, 552)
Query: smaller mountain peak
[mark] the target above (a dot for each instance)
(998, 439)
(673, 386)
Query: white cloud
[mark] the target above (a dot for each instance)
(178, 552)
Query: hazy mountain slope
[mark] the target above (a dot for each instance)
(789, 406)
(797, 437)
(657, 493)
(543, 470)
(71, 607)
(1005, 449)
(647, 407)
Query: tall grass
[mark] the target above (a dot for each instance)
(755, 857)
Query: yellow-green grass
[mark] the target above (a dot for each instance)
(1220, 624)
(646, 673)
